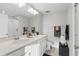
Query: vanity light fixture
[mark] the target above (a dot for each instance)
(32, 11)
(20, 4)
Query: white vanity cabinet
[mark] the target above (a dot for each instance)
(36, 49)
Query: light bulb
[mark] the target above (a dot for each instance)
(32, 11)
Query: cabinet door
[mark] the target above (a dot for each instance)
(33, 50)
(28, 50)
(43, 46)
(19, 52)
(28, 53)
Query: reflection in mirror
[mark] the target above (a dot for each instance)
(13, 28)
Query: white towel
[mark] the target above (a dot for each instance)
(62, 40)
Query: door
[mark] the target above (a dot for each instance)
(3, 25)
(13, 27)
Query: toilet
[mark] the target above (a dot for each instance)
(52, 44)
(52, 48)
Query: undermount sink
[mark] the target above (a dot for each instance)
(13, 42)
(6, 42)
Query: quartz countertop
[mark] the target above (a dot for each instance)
(6, 48)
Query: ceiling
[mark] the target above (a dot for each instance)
(50, 7)
(14, 10)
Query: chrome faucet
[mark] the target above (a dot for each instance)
(16, 37)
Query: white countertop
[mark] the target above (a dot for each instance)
(6, 48)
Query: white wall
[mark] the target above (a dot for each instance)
(23, 22)
(55, 19)
(36, 21)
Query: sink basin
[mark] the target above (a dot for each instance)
(21, 42)
(6, 42)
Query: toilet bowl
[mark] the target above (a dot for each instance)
(51, 44)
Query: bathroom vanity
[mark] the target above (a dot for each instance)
(34, 46)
